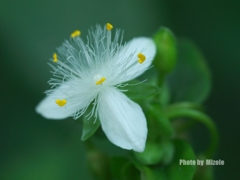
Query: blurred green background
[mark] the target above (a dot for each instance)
(35, 148)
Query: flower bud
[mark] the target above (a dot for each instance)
(165, 58)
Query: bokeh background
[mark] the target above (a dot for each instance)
(32, 147)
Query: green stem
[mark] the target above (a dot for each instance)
(187, 126)
(201, 117)
(161, 78)
(185, 105)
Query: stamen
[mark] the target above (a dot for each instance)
(100, 81)
(55, 59)
(75, 34)
(141, 58)
(109, 26)
(61, 102)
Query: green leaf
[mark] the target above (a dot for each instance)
(137, 90)
(175, 171)
(191, 80)
(168, 149)
(89, 127)
(123, 169)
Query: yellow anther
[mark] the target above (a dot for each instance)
(109, 26)
(75, 34)
(55, 59)
(141, 58)
(61, 102)
(101, 81)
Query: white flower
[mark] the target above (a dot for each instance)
(93, 74)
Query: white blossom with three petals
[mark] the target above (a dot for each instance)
(96, 74)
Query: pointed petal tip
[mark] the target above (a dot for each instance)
(139, 146)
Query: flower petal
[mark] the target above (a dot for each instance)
(77, 98)
(128, 57)
(122, 120)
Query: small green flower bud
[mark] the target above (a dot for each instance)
(165, 58)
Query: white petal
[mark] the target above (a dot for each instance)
(122, 120)
(129, 59)
(77, 98)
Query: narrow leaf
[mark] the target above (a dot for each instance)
(89, 127)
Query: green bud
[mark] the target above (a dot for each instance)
(165, 58)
